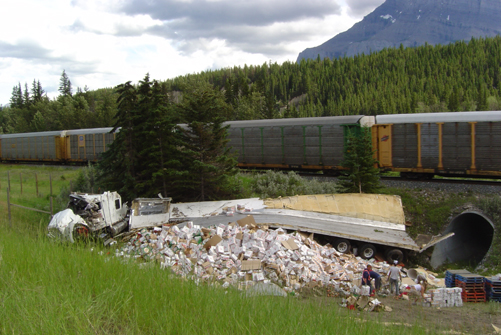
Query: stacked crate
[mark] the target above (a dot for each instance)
(446, 297)
(450, 277)
(493, 288)
(473, 287)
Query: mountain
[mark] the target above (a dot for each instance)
(413, 23)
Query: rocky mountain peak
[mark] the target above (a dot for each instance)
(413, 23)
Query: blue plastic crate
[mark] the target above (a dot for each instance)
(493, 282)
(451, 276)
(470, 278)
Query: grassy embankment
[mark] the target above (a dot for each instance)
(52, 288)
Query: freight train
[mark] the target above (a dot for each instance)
(416, 145)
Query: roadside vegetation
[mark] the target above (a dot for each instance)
(272, 184)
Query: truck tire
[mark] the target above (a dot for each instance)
(342, 245)
(394, 254)
(367, 251)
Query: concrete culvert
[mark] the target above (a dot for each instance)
(473, 234)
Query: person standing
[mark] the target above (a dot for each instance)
(394, 274)
(377, 280)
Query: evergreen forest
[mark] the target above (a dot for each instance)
(464, 76)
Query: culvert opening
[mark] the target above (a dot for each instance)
(473, 234)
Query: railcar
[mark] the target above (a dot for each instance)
(304, 144)
(86, 145)
(33, 147)
(65, 146)
(443, 144)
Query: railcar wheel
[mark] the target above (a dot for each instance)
(367, 251)
(342, 245)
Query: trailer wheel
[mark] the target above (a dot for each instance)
(394, 254)
(367, 251)
(342, 245)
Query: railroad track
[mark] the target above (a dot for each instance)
(430, 181)
(446, 181)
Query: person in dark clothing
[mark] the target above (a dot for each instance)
(377, 279)
(367, 279)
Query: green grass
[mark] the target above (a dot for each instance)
(52, 288)
(23, 191)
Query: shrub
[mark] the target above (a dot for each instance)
(277, 184)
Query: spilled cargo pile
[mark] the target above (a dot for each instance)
(243, 254)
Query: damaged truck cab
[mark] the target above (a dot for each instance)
(88, 214)
(94, 214)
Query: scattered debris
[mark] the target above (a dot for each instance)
(365, 303)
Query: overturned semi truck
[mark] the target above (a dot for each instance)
(365, 224)
(106, 215)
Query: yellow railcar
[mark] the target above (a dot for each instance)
(444, 144)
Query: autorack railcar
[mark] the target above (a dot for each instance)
(306, 144)
(445, 144)
(65, 146)
(33, 147)
(86, 145)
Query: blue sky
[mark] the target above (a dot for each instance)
(105, 43)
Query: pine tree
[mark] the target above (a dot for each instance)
(142, 161)
(157, 133)
(361, 175)
(16, 99)
(37, 91)
(207, 164)
(161, 157)
(26, 95)
(119, 164)
(65, 85)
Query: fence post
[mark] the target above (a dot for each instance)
(21, 181)
(50, 175)
(8, 179)
(36, 182)
(8, 207)
(51, 208)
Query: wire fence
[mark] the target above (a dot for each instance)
(10, 204)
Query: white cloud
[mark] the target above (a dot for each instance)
(105, 43)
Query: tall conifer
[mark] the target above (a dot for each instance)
(207, 162)
(361, 175)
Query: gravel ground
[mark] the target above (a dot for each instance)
(445, 187)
